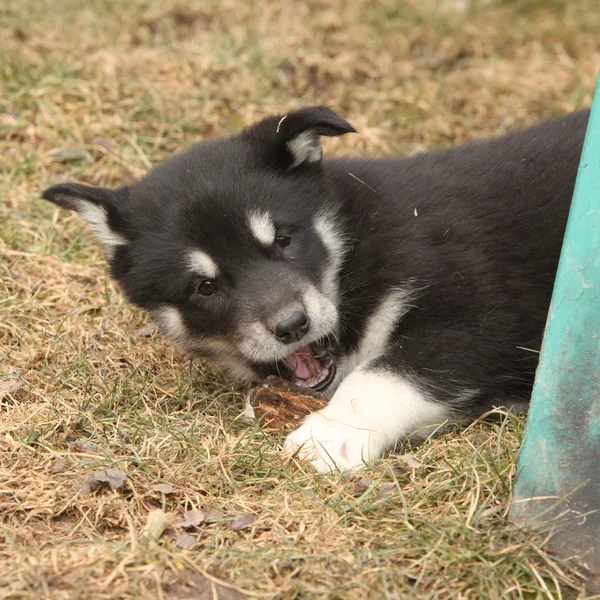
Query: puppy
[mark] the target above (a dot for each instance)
(413, 292)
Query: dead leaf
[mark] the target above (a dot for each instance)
(59, 466)
(191, 518)
(86, 486)
(238, 473)
(33, 437)
(362, 484)
(9, 386)
(87, 447)
(242, 521)
(212, 515)
(410, 461)
(398, 471)
(156, 523)
(185, 541)
(189, 584)
(163, 488)
(103, 143)
(147, 330)
(128, 177)
(114, 478)
(479, 438)
(387, 489)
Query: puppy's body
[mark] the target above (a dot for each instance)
(412, 291)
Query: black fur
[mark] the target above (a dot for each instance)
(483, 249)
(475, 232)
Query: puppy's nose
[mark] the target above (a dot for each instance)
(291, 326)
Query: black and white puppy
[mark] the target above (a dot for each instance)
(413, 291)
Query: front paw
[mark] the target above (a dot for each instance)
(331, 444)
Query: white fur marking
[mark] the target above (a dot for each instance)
(170, 321)
(97, 217)
(335, 243)
(262, 228)
(378, 330)
(305, 147)
(222, 351)
(228, 357)
(202, 264)
(371, 410)
(381, 324)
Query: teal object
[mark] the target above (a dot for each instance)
(559, 466)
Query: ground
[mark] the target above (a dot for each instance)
(109, 437)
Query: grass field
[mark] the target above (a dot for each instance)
(110, 440)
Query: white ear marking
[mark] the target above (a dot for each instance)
(97, 217)
(202, 264)
(305, 147)
(262, 227)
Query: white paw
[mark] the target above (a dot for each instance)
(331, 444)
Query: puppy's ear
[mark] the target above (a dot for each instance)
(293, 139)
(98, 206)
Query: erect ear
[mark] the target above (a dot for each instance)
(293, 139)
(98, 206)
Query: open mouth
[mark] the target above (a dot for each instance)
(311, 366)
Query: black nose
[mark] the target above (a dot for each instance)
(292, 326)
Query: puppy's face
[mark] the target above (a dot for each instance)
(234, 246)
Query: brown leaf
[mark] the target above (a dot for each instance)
(479, 438)
(33, 436)
(186, 541)
(212, 515)
(387, 489)
(239, 473)
(242, 521)
(191, 518)
(410, 461)
(147, 330)
(398, 471)
(362, 484)
(157, 522)
(59, 466)
(87, 447)
(9, 387)
(189, 584)
(163, 488)
(114, 478)
(103, 143)
(86, 486)
(128, 177)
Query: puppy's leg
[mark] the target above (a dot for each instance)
(369, 412)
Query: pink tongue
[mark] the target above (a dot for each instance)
(299, 361)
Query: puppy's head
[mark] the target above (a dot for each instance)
(234, 246)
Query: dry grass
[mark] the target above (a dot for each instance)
(99, 90)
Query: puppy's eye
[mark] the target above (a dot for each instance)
(207, 288)
(283, 241)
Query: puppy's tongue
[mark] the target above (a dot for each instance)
(303, 363)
